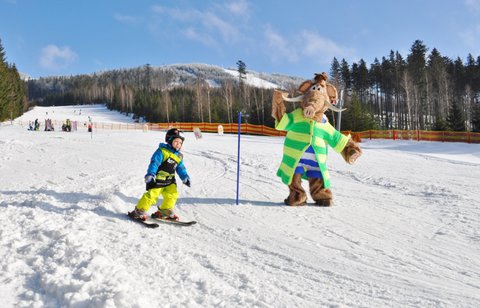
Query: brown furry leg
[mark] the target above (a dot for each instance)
(297, 195)
(321, 196)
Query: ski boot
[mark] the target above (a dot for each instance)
(165, 214)
(138, 214)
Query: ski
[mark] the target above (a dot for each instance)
(175, 222)
(143, 222)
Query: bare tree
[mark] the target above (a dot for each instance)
(209, 104)
(227, 89)
(167, 101)
(407, 86)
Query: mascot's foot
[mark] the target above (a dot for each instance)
(296, 202)
(297, 195)
(324, 202)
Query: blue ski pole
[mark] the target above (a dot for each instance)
(238, 153)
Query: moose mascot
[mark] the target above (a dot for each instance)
(308, 134)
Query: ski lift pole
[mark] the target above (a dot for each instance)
(340, 105)
(238, 153)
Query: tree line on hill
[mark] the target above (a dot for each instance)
(159, 95)
(426, 92)
(13, 91)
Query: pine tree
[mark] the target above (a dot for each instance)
(440, 125)
(242, 71)
(5, 85)
(336, 73)
(438, 85)
(457, 71)
(357, 118)
(416, 66)
(3, 60)
(13, 99)
(345, 73)
(456, 118)
(476, 118)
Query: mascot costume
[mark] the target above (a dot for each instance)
(308, 134)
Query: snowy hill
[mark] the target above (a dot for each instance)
(175, 75)
(183, 74)
(404, 231)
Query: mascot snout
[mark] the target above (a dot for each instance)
(309, 112)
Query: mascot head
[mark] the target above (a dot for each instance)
(316, 97)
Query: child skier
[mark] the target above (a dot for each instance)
(160, 178)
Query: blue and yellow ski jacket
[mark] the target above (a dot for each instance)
(165, 162)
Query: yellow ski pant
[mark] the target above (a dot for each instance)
(169, 193)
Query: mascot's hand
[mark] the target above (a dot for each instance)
(278, 106)
(351, 152)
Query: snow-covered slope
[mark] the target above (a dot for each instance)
(96, 113)
(183, 74)
(404, 231)
(214, 75)
(253, 80)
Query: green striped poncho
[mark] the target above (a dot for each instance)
(301, 133)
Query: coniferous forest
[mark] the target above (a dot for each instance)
(422, 90)
(13, 93)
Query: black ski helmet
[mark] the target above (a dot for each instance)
(173, 133)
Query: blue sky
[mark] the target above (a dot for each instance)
(62, 37)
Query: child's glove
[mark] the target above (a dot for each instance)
(149, 178)
(187, 182)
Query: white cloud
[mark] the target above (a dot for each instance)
(471, 38)
(468, 37)
(210, 24)
(177, 14)
(471, 35)
(303, 47)
(126, 18)
(53, 57)
(279, 48)
(473, 5)
(158, 9)
(240, 8)
(214, 23)
(321, 49)
(203, 38)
